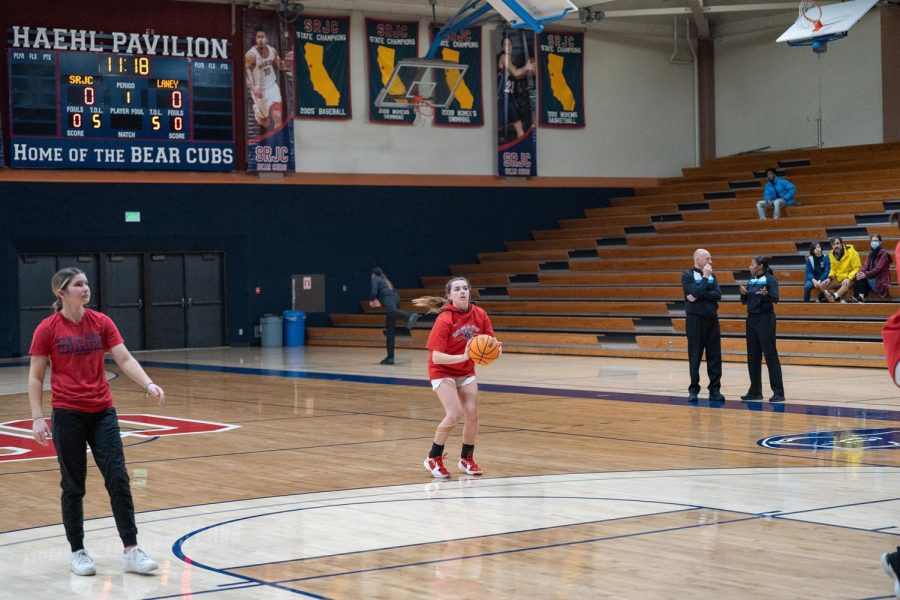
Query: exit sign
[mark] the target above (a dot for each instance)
(132, 216)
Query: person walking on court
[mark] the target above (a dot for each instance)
(73, 341)
(384, 295)
(452, 372)
(778, 193)
(702, 295)
(760, 294)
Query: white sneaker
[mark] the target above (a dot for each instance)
(137, 561)
(81, 563)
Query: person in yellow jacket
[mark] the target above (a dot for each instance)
(845, 264)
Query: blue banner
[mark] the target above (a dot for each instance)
(269, 100)
(562, 79)
(50, 153)
(516, 103)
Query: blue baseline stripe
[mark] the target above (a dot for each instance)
(800, 409)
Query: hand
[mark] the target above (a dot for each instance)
(763, 292)
(824, 283)
(691, 298)
(157, 392)
(743, 289)
(41, 431)
(860, 275)
(707, 270)
(258, 93)
(374, 303)
(845, 283)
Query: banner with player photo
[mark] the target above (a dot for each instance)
(561, 60)
(387, 42)
(466, 109)
(323, 68)
(516, 102)
(269, 98)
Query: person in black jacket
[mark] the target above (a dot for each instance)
(702, 295)
(384, 294)
(760, 295)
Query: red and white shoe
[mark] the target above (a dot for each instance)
(435, 466)
(467, 465)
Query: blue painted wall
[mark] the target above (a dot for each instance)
(269, 232)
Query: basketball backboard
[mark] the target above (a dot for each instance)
(836, 20)
(419, 79)
(529, 13)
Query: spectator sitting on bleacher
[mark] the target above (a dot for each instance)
(876, 275)
(817, 267)
(778, 193)
(845, 265)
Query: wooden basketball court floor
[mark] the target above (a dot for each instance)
(297, 472)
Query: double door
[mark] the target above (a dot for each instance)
(157, 300)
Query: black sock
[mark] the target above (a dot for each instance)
(467, 450)
(436, 450)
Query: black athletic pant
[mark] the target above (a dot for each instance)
(761, 341)
(72, 430)
(703, 335)
(392, 313)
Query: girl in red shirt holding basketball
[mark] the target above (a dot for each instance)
(452, 372)
(73, 341)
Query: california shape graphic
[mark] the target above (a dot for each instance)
(462, 94)
(318, 75)
(386, 66)
(558, 83)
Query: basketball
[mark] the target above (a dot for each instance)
(484, 349)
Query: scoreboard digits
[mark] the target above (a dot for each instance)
(98, 100)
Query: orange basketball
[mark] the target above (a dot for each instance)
(484, 349)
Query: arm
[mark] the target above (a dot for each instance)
(36, 372)
(810, 274)
(249, 63)
(882, 264)
(769, 192)
(132, 368)
(772, 288)
(440, 358)
(855, 265)
(788, 190)
(890, 333)
(507, 64)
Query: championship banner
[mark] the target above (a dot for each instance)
(387, 43)
(465, 110)
(268, 58)
(561, 60)
(516, 103)
(323, 73)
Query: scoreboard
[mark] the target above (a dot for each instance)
(103, 110)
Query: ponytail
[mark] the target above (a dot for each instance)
(433, 304)
(60, 282)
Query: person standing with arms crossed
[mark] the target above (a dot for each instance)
(73, 341)
(702, 295)
(452, 372)
(760, 295)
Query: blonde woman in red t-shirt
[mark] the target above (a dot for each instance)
(73, 342)
(452, 372)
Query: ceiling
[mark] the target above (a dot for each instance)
(709, 18)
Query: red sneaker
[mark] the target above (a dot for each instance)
(435, 466)
(467, 465)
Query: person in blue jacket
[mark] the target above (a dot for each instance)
(779, 192)
(818, 265)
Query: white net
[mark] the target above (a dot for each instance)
(424, 112)
(810, 14)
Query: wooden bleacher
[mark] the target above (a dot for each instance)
(608, 284)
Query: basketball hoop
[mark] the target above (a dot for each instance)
(424, 111)
(812, 12)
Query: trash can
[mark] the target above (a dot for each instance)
(294, 327)
(270, 330)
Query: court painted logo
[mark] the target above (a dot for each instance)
(17, 443)
(852, 439)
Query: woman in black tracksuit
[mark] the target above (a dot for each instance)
(384, 294)
(760, 295)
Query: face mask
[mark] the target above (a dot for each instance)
(876, 245)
